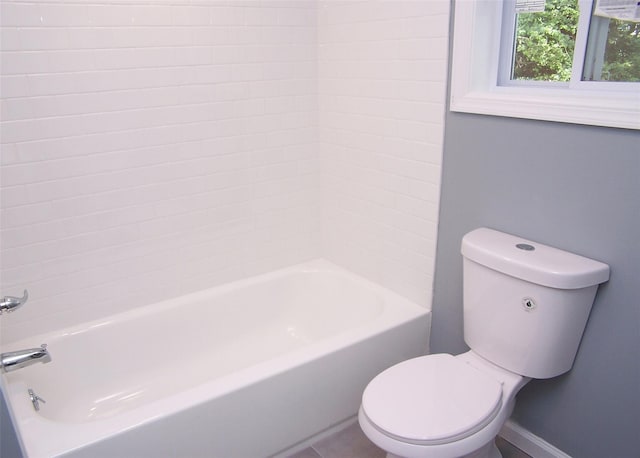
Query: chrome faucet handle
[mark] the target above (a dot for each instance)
(10, 303)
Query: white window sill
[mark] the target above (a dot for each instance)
(586, 107)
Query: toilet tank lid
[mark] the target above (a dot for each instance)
(532, 261)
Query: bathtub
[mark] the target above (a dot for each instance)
(247, 369)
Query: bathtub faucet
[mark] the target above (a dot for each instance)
(14, 360)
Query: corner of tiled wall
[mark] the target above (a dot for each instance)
(382, 87)
(157, 147)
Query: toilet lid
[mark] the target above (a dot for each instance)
(433, 399)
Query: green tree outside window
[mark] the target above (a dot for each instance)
(545, 41)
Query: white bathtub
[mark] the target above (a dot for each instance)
(248, 369)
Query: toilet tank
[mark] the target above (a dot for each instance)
(526, 304)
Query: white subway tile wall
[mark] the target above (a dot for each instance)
(382, 87)
(152, 149)
(158, 147)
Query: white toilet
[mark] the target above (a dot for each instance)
(525, 308)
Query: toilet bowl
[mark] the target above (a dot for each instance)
(525, 308)
(439, 406)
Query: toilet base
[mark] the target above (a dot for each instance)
(487, 451)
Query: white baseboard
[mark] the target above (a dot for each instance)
(512, 432)
(528, 442)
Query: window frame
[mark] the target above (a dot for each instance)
(476, 59)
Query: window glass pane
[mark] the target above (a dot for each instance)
(613, 50)
(544, 42)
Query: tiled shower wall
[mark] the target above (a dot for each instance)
(153, 148)
(382, 88)
(158, 147)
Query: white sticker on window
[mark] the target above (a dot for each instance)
(529, 6)
(626, 10)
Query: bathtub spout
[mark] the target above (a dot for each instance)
(14, 360)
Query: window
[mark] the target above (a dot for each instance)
(613, 46)
(561, 60)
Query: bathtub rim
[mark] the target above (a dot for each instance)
(315, 265)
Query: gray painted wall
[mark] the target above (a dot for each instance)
(573, 187)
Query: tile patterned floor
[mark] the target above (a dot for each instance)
(352, 443)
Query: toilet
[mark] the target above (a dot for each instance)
(525, 309)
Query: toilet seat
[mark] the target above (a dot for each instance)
(431, 400)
